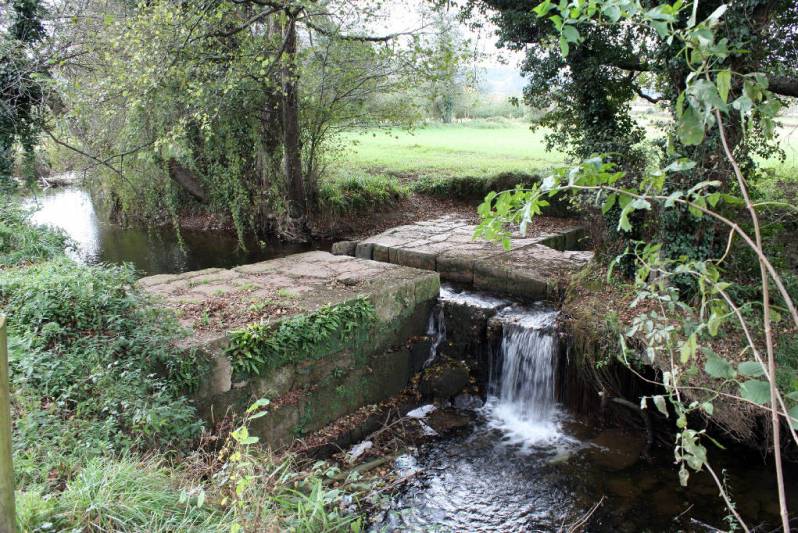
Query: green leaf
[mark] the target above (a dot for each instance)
(691, 127)
(623, 221)
(756, 391)
(571, 34)
(680, 165)
(724, 84)
(612, 12)
(688, 348)
(708, 408)
(543, 8)
(751, 369)
(262, 402)
(715, 16)
(718, 367)
(659, 402)
(793, 412)
(564, 46)
(608, 203)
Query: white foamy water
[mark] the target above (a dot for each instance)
(522, 402)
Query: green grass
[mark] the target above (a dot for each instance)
(485, 148)
(351, 193)
(479, 148)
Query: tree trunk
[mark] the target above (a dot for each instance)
(187, 180)
(291, 141)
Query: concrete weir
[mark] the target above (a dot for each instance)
(532, 268)
(310, 389)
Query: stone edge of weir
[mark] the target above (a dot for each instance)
(308, 394)
(398, 271)
(533, 268)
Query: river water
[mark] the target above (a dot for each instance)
(526, 464)
(152, 251)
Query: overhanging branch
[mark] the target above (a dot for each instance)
(784, 86)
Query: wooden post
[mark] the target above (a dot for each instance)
(8, 516)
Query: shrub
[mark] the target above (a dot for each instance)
(351, 194)
(470, 188)
(22, 243)
(92, 365)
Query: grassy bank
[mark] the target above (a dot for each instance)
(105, 437)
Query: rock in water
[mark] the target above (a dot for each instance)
(444, 380)
(468, 402)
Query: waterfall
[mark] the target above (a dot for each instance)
(436, 330)
(522, 401)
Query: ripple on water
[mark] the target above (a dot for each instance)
(483, 482)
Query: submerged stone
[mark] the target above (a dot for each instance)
(444, 380)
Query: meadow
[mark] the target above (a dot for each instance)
(475, 148)
(482, 148)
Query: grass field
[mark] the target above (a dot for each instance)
(482, 148)
(475, 149)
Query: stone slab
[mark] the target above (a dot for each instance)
(532, 268)
(322, 387)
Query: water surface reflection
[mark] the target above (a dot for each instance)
(152, 251)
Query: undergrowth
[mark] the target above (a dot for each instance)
(102, 421)
(263, 346)
(22, 243)
(360, 192)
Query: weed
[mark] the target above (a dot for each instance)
(287, 294)
(262, 346)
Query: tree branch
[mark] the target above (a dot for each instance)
(358, 38)
(783, 85)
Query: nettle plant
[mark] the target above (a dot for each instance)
(674, 335)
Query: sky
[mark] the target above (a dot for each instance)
(499, 68)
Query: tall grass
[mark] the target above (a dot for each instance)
(124, 495)
(357, 192)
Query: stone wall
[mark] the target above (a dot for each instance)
(309, 393)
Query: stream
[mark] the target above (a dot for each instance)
(151, 251)
(526, 464)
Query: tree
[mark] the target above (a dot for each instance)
(21, 94)
(675, 334)
(229, 105)
(587, 75)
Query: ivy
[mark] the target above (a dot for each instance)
(263, 346)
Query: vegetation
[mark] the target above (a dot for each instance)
(105, 437)
(360, 192)
(674, 325)
(270, 113)
(91, 361)
(263, 346)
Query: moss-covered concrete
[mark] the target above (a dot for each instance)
(370, 366)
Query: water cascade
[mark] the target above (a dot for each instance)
(521, 390)
(436, 330)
